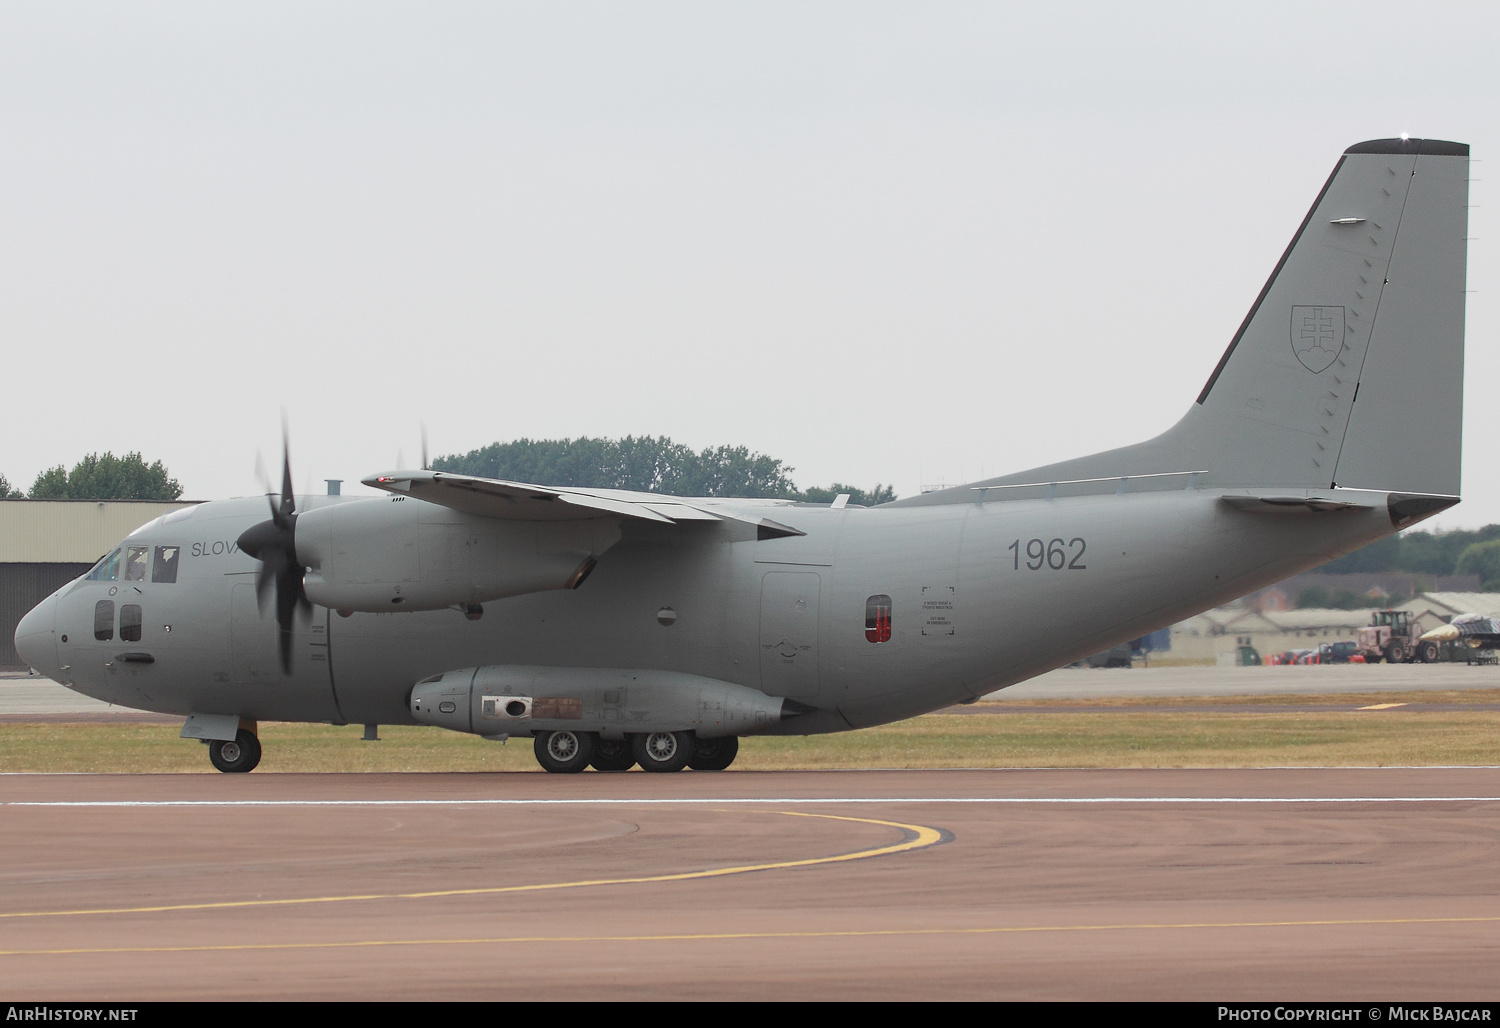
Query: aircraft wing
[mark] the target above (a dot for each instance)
(520, 501)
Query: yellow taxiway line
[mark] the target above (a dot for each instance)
(915, 837)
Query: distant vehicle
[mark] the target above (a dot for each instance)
(1115, 656)
(1395, 636)
(1337, 652)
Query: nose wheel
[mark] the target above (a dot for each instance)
(237, 755)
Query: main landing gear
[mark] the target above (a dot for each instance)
(570, 752)
(235, 756)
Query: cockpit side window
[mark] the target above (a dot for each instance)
(108, 568)
(130, 622)
(104, 620)
(164, 567)
(135, 563)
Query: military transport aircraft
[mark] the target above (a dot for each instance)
(620, 628)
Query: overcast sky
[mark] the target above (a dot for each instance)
(910, 243)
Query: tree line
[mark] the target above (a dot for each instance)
(1456, 552)
(650, 465)
(100, 477)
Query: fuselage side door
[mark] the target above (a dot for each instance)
(789, 633)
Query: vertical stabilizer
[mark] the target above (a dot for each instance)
(1348, 369)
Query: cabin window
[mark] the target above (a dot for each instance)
(164, 568)
(104, 620)
(130, 622)
(135, 563)
(878, 619)
(108, 568)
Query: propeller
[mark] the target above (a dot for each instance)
(274, 544)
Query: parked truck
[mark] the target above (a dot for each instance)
(1395, 637)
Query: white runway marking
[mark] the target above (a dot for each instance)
(743, 801)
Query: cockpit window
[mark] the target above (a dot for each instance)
(107, 570)
(164, 567)
(104, 620)
(130, 622)
(135, 563)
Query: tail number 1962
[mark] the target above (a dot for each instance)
(1054, 554)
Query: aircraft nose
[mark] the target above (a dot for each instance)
(36, 636)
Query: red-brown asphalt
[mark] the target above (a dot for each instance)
(1164, 884)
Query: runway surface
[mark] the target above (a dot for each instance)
(1169, 884)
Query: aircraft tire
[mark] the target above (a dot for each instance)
(714, 754)
(662, 751)
(613, 755)
(235, 756)
(564, 753)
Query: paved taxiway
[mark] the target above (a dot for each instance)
(1020, 884)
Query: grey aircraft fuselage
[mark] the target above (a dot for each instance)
(595, 619)
(983, 595)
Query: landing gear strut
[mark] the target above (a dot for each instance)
(235, 756)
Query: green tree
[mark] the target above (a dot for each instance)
(1416, 551)
(1482, 559)
(9, 492)
(107, 477)
(646, 464)
(880, 494)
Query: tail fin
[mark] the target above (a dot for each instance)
(1348, 370)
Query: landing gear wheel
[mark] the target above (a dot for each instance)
(564, 753)
(1396, 654)
(714, 754)
(662, 751)
(1428, 652)
(613, 755)
(236, 756)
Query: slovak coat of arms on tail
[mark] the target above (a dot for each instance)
(1317, 336)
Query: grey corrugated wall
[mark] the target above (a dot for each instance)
(23, 586)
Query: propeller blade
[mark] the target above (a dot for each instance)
(288, 497)
(426, 464)
(274, 544)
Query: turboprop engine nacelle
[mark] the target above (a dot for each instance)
(397, 553)
(520, 700)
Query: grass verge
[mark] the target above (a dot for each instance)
(1138, 734)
